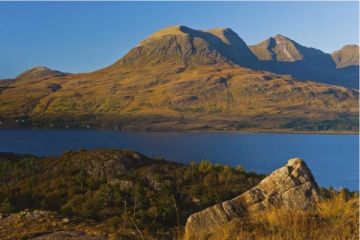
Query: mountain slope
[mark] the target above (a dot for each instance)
(181, 79)
(5, 83)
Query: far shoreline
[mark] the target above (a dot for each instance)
(169, 130)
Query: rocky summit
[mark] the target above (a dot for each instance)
(347, 56)
(291, 186)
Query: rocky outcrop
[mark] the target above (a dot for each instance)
(291, 186)
(108, 164)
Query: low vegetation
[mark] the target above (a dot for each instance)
(119, 189)
(123, 194)
(341, 124)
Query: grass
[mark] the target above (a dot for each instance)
(333, 218)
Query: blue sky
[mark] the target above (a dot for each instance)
(85, 36)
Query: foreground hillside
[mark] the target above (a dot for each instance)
(114, 194)
(179, 79)
(117, 188)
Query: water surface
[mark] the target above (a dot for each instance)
(333, 159)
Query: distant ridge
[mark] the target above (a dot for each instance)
(282, 55)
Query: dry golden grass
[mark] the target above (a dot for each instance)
(336, 218)
(157, 90)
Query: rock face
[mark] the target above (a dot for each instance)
(108, 164)
(291, 186)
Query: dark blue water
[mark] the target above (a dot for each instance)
(333, 159)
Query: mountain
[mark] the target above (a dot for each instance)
(347, 56)
(33, 74)
(282, 55)
(38, 72)
(181, 79)
(278, 48)
(183, 45)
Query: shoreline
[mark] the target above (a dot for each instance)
(249, 131)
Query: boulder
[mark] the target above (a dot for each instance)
(291, 186)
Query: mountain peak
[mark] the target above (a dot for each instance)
(347, 56)
(38, 72)
(39, 68)
(278, 48)
(181, 30)
(280, 36)
(350, 46)
(227, 35)
(181, 45)
(171, 30)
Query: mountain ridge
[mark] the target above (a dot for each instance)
(283, 55)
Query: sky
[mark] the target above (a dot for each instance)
(85, 36)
